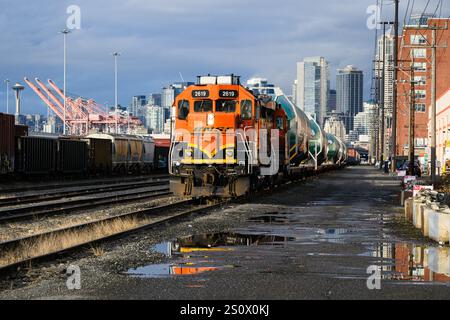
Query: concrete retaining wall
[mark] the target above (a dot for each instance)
(433, 223)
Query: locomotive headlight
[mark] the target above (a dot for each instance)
(210, 119)
(230, 153)
(188, 153)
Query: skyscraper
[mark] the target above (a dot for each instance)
(331, 106)
(313, 83)
(349, 94)
(137, 107)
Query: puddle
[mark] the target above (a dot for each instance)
(413, 263)
(167, 270)
(269, 219)
(217, 242)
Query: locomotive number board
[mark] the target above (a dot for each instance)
(200, 93)
(228, 94)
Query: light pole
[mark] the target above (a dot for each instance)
(65, 32)
(116, 98)
(7, 95)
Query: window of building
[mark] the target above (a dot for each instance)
(421, 94)
(228, 106)
(203, 105)
(246, 109)
(420, 66)
(183, 109)
(418, 39)
(419, 53)
(420, 80)
(420, 107)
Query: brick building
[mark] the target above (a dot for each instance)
(415, 53)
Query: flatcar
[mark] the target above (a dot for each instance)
(228, 140)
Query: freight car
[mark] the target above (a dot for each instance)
(353, 157)
(129, 153)
(225, 138)
(7, 143)
(50, 154)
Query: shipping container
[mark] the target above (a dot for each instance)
(72, 156)
(7, 143)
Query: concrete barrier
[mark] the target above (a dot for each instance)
(425, 213)
(439, 226)
(439, 260)
(409, 209)
(417, 212)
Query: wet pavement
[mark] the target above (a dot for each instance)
(321, 239)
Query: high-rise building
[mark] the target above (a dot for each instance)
(349, 94)
(331, 106)
(313, 83)
(154, 120)
(335, 126)
(137, 107)
(387, 67)
(415, 54)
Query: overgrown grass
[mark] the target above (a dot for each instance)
(46, 244)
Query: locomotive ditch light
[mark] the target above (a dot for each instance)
(230, 153)
(189, 153)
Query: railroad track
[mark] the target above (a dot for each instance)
(151, 190)
(75, 191)
(25, 250)
(76, 183)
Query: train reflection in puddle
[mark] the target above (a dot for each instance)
(414, 263)
(166, 270)
(217, 242)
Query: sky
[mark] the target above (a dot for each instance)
(160, 39)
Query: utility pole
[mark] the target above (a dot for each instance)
(65, 32)
(412, 122)
(116, 54)
(383, 96)
(394, 91)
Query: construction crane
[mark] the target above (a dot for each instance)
(83, 116)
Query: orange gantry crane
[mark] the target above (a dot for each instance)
(83, 116)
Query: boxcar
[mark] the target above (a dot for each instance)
(7, 143)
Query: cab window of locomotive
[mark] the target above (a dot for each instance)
(183, 109)
(228, 106)
(203, 106)
(246, 110)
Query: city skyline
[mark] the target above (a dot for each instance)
(154, 54)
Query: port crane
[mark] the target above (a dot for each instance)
(83, 116)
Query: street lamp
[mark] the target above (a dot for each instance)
(7, 95)
(116, 98)
(65, 32)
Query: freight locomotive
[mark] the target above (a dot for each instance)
(228, 140)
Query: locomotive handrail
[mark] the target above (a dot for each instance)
(247, 151)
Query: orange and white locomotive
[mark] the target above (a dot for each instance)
(225, 140)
